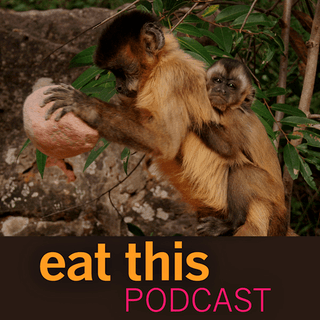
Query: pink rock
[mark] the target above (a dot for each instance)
(61, 139)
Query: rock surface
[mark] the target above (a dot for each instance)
(30, 205)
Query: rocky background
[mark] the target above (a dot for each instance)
(30, 205)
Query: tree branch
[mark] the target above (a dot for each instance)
(248, 14)
(307, 89)
(285, 32)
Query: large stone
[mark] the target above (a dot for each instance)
(58, 139)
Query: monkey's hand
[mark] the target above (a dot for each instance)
(68, 99)
(116, 123)
(214, 227)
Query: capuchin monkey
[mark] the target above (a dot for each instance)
(254, 194)
(208, 144)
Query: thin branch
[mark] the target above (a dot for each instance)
(101, 195)
(114, 207)
(307, 90)
(248, 14)
(184, 16)
(270, 9)
(314, 116)
(285, 33)
(309, 8)
(249, 47)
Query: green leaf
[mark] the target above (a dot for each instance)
(268, 128)
(84, 58)
(86, 76)
(215, 51)
(270, 51)
(294, 136)
(274, 92)
(125, 155)
(315, 161)
(146, 4)
(189, 29)
(309, 152)
(210, 10)
(313, 139)
(277, 40)
(95, 153)
(135, 230)
(254, 20)
(196, 47)
(303, 147)
(142, 8)
(259, 93)
(259, 108)
(106, 94)
(225, 36)
(92, 90)
(23, 147)
(158, 7)
(232, 12)
(105, 79)
(306, 173)
(193, 19)
(298, 121)
(293, 111)
(211, 36)
(238, 43)
(291, 159)
(174, 5)
(41, 161)
(198, 57)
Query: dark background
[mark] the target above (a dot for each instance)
(287, 265)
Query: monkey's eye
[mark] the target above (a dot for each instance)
(231, 85)
(218, 80)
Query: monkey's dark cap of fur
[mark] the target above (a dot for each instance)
(231, 64)
(125, 28)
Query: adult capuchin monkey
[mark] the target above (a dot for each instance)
(215, 152)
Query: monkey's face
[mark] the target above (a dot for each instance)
(126, 68)
(128, 47)
(227, 84)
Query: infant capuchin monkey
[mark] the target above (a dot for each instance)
(254, 192)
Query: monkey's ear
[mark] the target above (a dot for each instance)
(153, 37)
(249, 98)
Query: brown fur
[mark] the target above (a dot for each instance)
(166, 109)
(255, 188)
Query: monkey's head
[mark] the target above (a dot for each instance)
(229, 85)
(128, 47)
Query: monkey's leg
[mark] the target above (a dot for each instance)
(117, 123)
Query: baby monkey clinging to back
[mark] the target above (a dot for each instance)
(255, 193)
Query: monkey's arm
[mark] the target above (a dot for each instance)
(215, 136)
(230, 139)
(116, 123)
